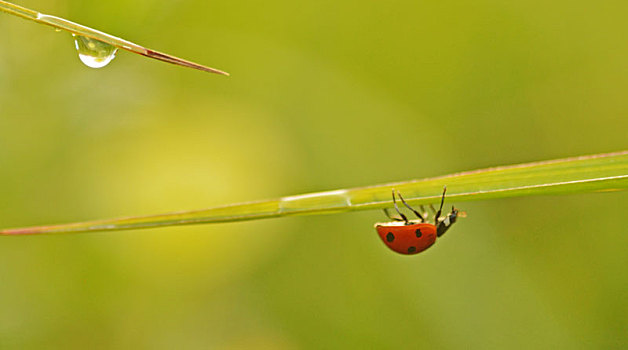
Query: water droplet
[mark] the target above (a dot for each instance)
(57, 30)
(94, 53)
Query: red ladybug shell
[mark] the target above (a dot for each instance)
(407, 239)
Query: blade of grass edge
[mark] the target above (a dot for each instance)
(81, 30)
(601, 172)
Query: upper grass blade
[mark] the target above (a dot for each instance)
(602, 172)
(81, 30)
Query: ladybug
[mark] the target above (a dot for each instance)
(410, 237)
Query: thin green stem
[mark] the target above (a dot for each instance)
(602, 172)
(81, 30)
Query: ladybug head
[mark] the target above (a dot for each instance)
(444, 224)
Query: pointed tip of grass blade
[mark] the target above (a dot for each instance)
(81, 30)
(181, 62)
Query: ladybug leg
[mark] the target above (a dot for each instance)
(409, 207)
(442, 201)
(433, 209)
(424, 211)
(391, 217)
(397, 209)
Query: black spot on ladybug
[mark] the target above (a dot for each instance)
(411, 249)
(390, 237)
(418, 233)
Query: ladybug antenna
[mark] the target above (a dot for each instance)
(440, 209)
(409, 207)
(397, 208)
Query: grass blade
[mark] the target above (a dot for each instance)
(81, 30)
(602, 172)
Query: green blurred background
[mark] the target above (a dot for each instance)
(323, 95)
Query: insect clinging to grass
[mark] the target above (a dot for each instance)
(410, 237)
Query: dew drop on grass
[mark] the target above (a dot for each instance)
(94, 53)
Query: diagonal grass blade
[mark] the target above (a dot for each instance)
(80, 30)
